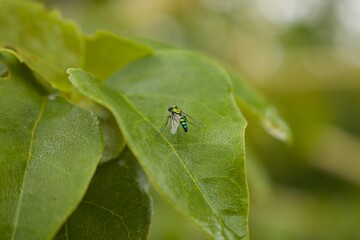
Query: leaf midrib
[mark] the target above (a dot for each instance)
(36, 122)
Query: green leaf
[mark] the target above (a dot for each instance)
(113, 139)
(47, 44)
(153, 44)
(49, 152)
(202, 172)
(4, 71)
(251, 101)
(117, 204)
(106, 53)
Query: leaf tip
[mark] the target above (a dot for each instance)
(69, 71)
(276, 126)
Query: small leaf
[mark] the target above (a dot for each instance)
(267, 116)
(201, 173)
(49, 152)
(117, 204)
(106, 53)
(113, 139)
(4, 70)
(45, 43)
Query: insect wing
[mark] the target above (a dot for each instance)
(175, 122)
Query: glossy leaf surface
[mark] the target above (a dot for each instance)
(202, 172)
(117, 204)
(47, 44)
(49, 150)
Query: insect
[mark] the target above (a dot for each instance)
(177, 117)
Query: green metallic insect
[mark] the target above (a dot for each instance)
(177, 117)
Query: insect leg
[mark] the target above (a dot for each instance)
(194, 123)
(164, 126)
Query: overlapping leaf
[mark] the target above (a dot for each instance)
(45, 43)
(117, 204)
(106, 53)
(202, 173)
(113, 139)
(49, 150)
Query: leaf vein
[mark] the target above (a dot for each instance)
(36, 122)
(112, 213)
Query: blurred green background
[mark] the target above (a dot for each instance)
(304, 56)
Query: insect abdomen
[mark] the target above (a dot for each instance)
(183, 123)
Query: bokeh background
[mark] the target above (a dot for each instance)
(304, 56)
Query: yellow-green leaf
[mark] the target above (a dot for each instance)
(265, 114)
(106, 53)
(46, 43)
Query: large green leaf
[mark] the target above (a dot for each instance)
(202, 173)
(117, 204)
(49, 150)
(45, 43)
(264, 113)
(106, 53)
